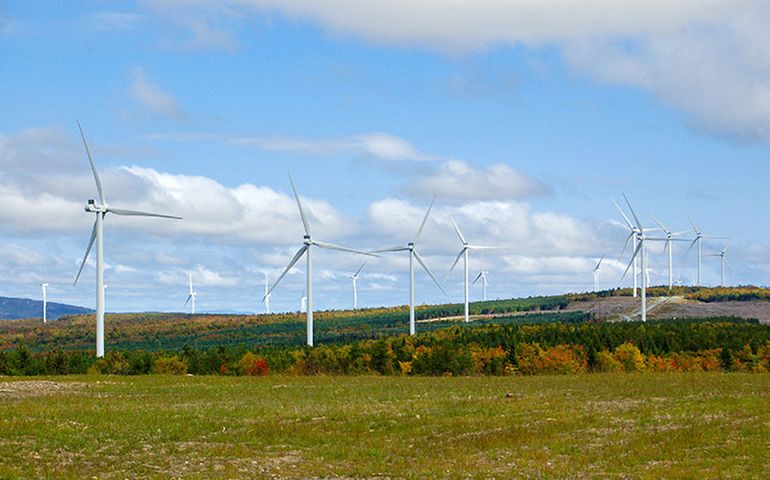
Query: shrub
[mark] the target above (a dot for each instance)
(253, 365)
(630, 357)
(113, 363)
(169, 366)
(605, 361)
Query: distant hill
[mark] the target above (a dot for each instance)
(16, 308)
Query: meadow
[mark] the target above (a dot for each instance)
(668, 425)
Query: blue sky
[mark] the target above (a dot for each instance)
(525, 120)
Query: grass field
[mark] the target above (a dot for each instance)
(691, 425)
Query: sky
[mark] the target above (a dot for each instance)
(524, 118)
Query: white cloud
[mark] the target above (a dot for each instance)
(708, 58)
(153, 98)
(201, 277)
(378, 145)
(458, 181)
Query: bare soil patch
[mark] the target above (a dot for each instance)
(35, 388)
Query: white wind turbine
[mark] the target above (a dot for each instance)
(306, 249)
(267, 294)
(483, 277)
(354, 277)
(191, 296)
(411, 247)
(101, 210)
(633, 234)
(669, 247)
(466, 247)
(640, 247)
(44, 287)
(722, 261)
(596, 274)
(697, 243)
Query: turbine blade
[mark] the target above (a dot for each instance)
(422, 263)
(628, 222)
(487, 247)
(459, 256)
(477, 278)
(668, 232)
(638, 247)
(102, 198)
(135, 213)
(599, 264)
(638, 223)
(424, 219)
(691, 245)
(361, 268)
(625, 244)
(392, 249)
(299, 205)
(294, 260)
(187, 301)
(331, 246)
(88, 250)
(457, 229)
(694, 227)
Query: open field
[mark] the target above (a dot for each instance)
(695, 425)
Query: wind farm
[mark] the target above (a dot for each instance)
(379, 240)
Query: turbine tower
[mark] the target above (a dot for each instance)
(411, 247)
(306, 249)
(44, 287)
(640, 250)
(191, 296)
(697, 243)
(267, 294)
(722, 262)
(483, 277)
(354, 277)
(466, 247)
(596, 274)
(670, 238)
(101, 210)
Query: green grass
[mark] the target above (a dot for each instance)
(653, 426)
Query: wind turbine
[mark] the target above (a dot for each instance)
(101, 210)
(267, 294)
(640, 247)
(191, 296)
(44, 287)
(411, 247)
(466, 247)
(483, 277)
(354, 277)
(722, 261)
(596, 274)
(633, 234)
(697, 242)
(306, 249)
(670, 237)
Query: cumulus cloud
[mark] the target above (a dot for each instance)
(201, 276)
(708, 58)
(151, 97)
(458, 181)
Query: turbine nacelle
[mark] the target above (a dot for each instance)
(93, 207)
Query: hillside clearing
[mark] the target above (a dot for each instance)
(601, 425)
